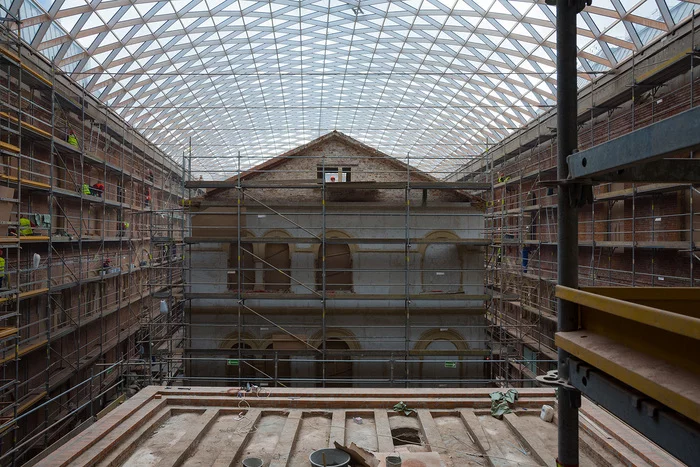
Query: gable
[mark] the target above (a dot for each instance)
(304, 166)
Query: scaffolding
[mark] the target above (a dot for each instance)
(90, 231)
(631, 234)
(301, 249)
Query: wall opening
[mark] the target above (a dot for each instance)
(276, 276)
(340, 368)
(442, 266)
(333, 174)
(247, 267)
(247, 372)
(282, 373)
(338, 268)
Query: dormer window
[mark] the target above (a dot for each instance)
(333, 174)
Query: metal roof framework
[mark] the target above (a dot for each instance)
(436, 79)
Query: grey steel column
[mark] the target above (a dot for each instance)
(567, 232)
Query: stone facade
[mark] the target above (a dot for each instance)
(373, 334)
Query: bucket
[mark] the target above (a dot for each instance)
(547, 413)
(252, 462)
(393, 461)
(333, 457)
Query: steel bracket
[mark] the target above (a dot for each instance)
(552, 379)
(675, 433)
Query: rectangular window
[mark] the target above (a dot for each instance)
(333, 174)
(530, 357)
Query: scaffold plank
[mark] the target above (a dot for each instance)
(9, 147)
(339, 296)
(26, 126)
(343, 241)
(307, 184)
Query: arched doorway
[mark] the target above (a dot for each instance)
(442, 268)
(238, 372)
(247, 267)
(440, 360)
(338, 267)
(277, 368)
(437, 369)
(277, 267)
(338, 365)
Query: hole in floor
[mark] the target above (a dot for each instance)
(406, 435)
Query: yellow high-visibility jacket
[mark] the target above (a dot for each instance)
(25, 226)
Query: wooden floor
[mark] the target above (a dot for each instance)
(449, 427)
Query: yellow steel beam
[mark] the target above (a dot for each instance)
(651, 349)
(673, 322)
(639, 294)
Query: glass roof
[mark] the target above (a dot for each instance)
(435, 81)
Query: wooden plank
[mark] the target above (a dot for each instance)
(112, 431)
(476, 431)
(594, 419)
(37, 76)
(337, 428)
(657, 378)
(24, 351)
(9, 53)
(127, 448)
(188, 442)
(26, 125)
(34, 238)
(526, 432)
(25, 181)
(283, 450)
(431, 431)
(26, 404)
(9, 147)
(238, 439)
(385, 442)
(33, 293)
(5, 332)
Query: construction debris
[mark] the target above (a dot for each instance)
(359, 456)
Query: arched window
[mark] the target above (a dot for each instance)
(277, 267)
(442, 268)
(247, 267)
(338, 267)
